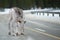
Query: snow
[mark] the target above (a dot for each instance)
(50, 18)
(6, 11)
(46, 9)
(55, 10)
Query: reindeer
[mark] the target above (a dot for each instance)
(16, 21)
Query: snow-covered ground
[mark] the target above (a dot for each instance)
(51, 10)
(50, 18)
(6, 11)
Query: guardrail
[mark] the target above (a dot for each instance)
(39, 12)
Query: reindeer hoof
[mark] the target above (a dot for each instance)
(9, 33)
(17, 34)
(13, 35)
(24, 21)
(22, 33)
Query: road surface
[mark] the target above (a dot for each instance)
(34, 30)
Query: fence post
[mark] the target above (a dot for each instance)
(37, 13)
(52, 14)
(43, 13)
(59, 14)
(47, 14)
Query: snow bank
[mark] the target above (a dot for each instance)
(43, 18)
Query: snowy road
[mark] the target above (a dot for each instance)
(35, 29)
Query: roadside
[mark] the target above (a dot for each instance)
(43, 18)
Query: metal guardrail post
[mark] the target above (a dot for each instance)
(47, 14)
(53, 14)
(39, 13)
(59, 14)
(43, 13)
